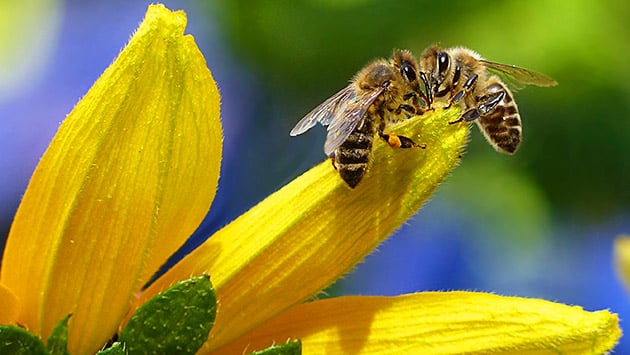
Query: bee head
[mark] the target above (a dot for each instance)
(379, 75)
(404, 61)
(443, 63)
(435, 64)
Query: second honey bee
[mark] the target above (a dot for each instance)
(383, 92)
(460, 76)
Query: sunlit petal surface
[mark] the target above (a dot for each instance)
(315, 229)
(130, 174)
(437, 323)
(8, 305)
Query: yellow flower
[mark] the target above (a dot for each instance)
(133, 170)
(128, 177)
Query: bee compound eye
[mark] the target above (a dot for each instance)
(408, 71)
(442, 62)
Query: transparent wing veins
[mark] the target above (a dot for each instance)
(352, 115)
(326, 111)
(520, 75)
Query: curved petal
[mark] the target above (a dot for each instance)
(8, 306)
(437, 323)
(128, 177)
(306, 235)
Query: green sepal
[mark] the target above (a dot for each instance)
(16, 340)
(116, 349)
(293, 347)
(176, 321)
(57, 343)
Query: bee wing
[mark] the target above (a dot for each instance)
(353, 114)
(326, 111)
(520, 75)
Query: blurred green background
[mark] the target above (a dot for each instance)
(575, 136)
(538, 224)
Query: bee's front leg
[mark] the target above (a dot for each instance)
(404, 107)
(428, 97)
(487, 104)
(412, 110)
(468, 86)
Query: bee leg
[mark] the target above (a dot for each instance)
(332, 160)
(468, 116)
(396, 141)
(412, 110)
(415, 97)
(427, 98)
(405, 107)
(468, 85)
(487, 105)
(490, 103)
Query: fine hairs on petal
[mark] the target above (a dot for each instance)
(316, 228)
(437, 323)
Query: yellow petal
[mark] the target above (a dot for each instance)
(437, 323)
(127, 178)
(8, 306)
(306, 235)
(622, 259)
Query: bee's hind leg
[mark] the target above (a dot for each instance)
(396, 141)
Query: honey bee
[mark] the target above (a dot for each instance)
(382, 93)
(460, 75)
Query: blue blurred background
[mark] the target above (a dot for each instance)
(538, 224)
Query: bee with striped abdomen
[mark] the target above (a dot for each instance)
(382, 93)
(460, 76)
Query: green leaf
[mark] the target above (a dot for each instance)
(57, 343)
(116, 349)
(290, 348)
(16, 340)
(176, 321)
